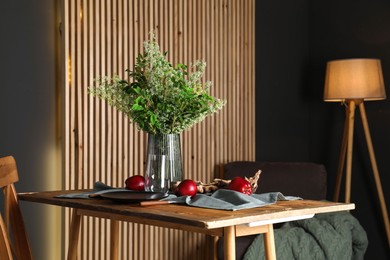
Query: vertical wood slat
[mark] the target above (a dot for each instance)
(103, 38)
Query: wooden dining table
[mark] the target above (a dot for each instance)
(217, 223)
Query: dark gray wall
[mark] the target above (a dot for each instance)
(293, 43)
(294, 40)
(282, 50)
(28, 109)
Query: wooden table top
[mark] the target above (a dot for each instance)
(175, 215)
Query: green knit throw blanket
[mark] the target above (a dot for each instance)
(330, 236)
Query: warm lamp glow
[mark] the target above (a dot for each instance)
(354, 79)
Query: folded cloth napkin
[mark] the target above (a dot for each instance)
(98, 188)
(231, 200)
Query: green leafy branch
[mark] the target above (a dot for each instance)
(158, 97)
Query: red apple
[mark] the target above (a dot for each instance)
(186, 188)
(135, 182)
(241, 185)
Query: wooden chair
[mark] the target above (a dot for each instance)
(5, 249)
(13, 237)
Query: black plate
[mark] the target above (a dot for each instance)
(133, 196)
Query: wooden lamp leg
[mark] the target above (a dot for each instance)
(343, 152)
(348, 171)
(346, 150)
(375, 170)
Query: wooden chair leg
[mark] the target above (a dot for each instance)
(5, 249)
(14, 231)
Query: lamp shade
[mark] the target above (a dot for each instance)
(354, 79)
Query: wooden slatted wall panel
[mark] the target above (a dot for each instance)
(103, 37)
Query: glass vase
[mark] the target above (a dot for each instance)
(163, 162)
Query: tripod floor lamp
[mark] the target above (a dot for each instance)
(352, 82)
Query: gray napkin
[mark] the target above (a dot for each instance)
(231, 200)
(221, 199)
(98, 188)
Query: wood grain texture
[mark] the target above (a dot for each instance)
(103, 37)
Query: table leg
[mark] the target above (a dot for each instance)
(269, 243)
(114, 239)
(74, 235)
(215, 247)
(229, 240)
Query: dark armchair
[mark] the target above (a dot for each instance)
(305, 180)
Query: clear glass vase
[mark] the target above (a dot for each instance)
(163, 162)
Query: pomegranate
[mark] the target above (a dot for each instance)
(241, 185)
(135, 182)
(186, 188)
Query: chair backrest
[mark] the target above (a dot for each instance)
(13, 231)
(303, 179)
